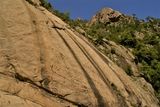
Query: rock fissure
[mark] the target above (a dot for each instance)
(100, 72)
(16, 94)
(27, 80)
(92, 85)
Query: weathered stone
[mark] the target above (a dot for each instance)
(44, 65)
(106, 15)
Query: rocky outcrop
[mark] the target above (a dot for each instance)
(43, 63)
(106, 15)
(122, 56)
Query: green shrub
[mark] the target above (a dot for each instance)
(129, 71)
(146, 53)
(46, 4)
(152, 74)
(64, 16)
(128, 40)
(113, 51)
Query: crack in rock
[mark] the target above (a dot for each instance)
(27, 80)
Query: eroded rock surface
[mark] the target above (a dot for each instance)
(45, 64)
(106, 15)
(122, 56)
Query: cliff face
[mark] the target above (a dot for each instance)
(45, 64)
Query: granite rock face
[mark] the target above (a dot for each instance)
(106, 15)
(43, 63)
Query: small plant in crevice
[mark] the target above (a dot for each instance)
(113, 51)
(129, 71)
(113, 87)
(119, 96)
(46, 4)
(45, 83)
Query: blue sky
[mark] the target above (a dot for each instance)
(87, 8)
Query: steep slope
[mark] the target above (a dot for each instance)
(122, 56)
(45, 64)
(132, 43)
(103, 24)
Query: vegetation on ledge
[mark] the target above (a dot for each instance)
(142, 36)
